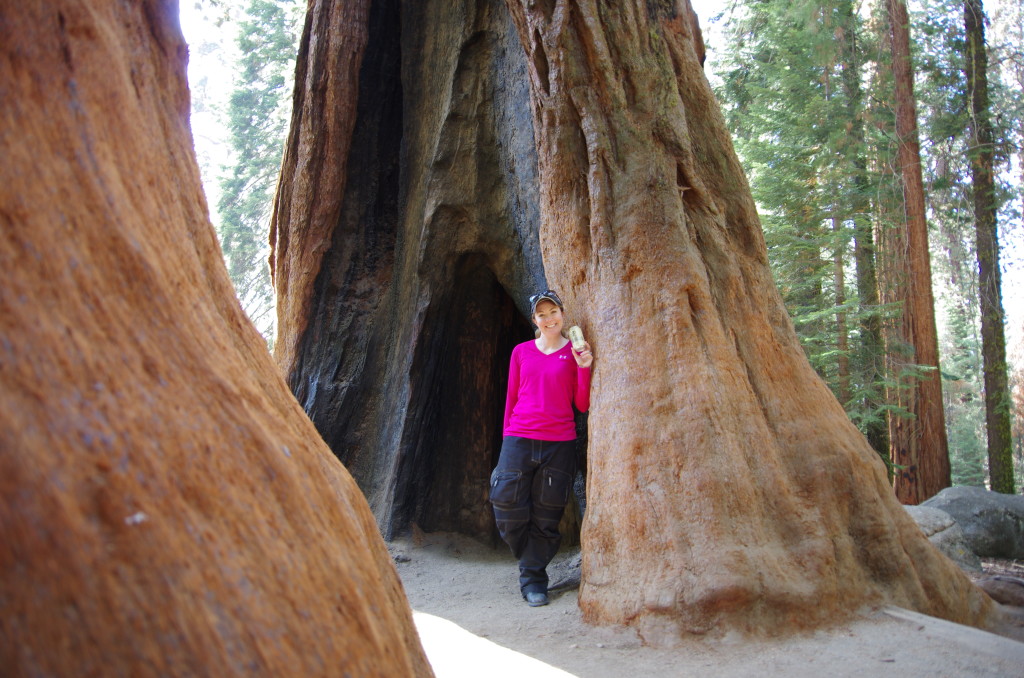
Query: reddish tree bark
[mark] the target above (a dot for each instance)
(918, 442)
(314, 168)
(166, 509)
(726, 485)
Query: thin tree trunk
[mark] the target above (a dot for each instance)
(838, 276)
(919, 446)
(719, 463)
(871, 350)
(993, 342)
(842, 338)
(872, 344)
(891, 241)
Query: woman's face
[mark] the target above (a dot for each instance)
(548, 318)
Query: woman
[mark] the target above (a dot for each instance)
(531, 483)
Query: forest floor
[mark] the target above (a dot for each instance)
(473, 622)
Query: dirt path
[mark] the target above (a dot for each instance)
(473, 622)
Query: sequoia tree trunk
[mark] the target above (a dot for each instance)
(312, 188)
(720, 465)
(396, 338)
(166, 509)
(920, 453)
(726, 485)
(993, 341)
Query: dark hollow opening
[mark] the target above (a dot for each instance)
(461, 372)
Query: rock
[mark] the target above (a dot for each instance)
(1005, 590)
(166, 508)
(946, 534)
(993, 523)
(565, 571)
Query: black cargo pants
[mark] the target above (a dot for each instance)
(529, 489)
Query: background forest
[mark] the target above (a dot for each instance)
(807, 89)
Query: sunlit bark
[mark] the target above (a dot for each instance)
(166, 509)
(720, 464)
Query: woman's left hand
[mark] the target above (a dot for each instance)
(584, 358)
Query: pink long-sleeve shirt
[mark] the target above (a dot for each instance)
(542, 390)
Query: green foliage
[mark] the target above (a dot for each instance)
(1006, 97)
(817, 154)
(964, 398)
(258, 113)
(945, 118)
(787, 96)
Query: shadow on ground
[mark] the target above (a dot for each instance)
(475, 587)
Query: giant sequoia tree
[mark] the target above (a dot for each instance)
(166, 509)
(427, 190)
(918, 441)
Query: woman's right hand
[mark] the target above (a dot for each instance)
(585, 357)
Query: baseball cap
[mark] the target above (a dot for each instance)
(549, 295)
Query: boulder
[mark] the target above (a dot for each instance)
(1004, 590)
(946, 534)
(993, 523)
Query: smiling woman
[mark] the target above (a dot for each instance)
(546, 310)
(530, 486)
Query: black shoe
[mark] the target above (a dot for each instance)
(535, 598)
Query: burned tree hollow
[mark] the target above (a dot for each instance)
(402, 284)
(718, 463)
(460, 376)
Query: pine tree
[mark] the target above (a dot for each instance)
(962, 391)
(793, 100)
(947, 127)
(258, 113)
(779, 71)
(868, 408)
(997, 393)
